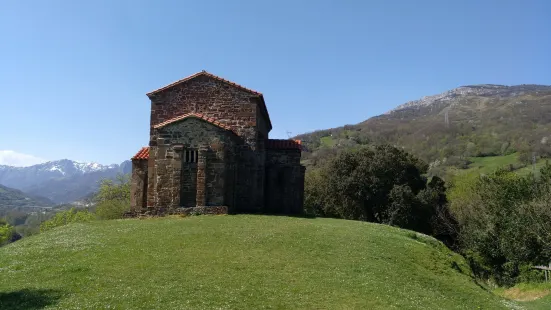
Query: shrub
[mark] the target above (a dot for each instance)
(504, 223)
(113, 198)
(7, 232)
(381, 184)
(109, 210)
(66, 217)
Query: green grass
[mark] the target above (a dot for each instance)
(530, 169)
(490, 164)
(236, 262)
(534, 296)
(327, 141)
(543, 303)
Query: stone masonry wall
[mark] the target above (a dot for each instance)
(284, 182)
(203, 182)
(151, 177)
(228, 105)
(188, 179)
(138, 185)
(231, 106)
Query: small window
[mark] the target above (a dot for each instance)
(190, 156)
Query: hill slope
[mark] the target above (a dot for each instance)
(477, 120)
(13, 198)
(236, 262)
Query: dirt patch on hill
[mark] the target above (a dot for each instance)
(525, 295)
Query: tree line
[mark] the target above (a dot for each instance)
(499, 222)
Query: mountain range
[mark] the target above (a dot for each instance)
(445, 130)
(60, 181)
(449, 128)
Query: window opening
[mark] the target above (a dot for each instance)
(191, 156)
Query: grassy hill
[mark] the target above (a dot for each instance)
(237, 262)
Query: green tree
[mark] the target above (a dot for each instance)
(359, 182)
(113, 197)
(504, 222)
(380, 184)
(313, 192)
(7, 232)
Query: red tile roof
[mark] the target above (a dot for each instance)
(196, 115)
(283, 144)
(205, 73)
(142, 154)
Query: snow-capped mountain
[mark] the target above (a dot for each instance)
(66, 166)
(61, 180)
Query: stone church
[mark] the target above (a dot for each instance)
(209, 152)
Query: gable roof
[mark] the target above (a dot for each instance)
(196, 115)
(143, 153)
(264, 110)
(204, 73)
(282, 144)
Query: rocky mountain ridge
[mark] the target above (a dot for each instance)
(484, 90)
(451, 127)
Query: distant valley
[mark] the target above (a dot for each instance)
(60, 181)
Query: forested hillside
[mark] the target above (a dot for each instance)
(447, 129)
(13, 198)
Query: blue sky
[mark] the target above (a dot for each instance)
(73, 74)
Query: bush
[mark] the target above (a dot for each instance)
(67, 217)
(359, 183)
(7, 232)
(313, 193)
(504, 223)
(379, 184)
(527, 274)
(113, 198)
(110, 210)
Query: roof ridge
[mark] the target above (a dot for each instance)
(203, 72)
